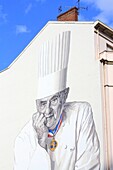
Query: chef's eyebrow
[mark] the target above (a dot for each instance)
(43, 101)
(55, 96)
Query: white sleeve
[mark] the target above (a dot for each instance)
(40, 160)
(27, 160)
(22, 155)
(88, 150)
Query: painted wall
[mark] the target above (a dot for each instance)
(18, 84)
(17, 102)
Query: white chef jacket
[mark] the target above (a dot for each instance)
(78, 144)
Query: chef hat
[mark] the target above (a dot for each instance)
(52, 65)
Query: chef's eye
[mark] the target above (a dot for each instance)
(43, 105)
(54, 100)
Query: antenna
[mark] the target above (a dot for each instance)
(79, 7)
(78, 1)
(60, 9)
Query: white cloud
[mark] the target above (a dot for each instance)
(102, 17)
(22, 29)
(28, 8)
(106, 5)
(3, 16)
(103, 5)
(106, 10)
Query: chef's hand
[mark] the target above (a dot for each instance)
(40, 128)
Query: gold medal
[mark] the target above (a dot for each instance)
(53, 145)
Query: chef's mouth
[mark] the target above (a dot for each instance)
(49, 116)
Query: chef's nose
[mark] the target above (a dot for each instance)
(47, 111)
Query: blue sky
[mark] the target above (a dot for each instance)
(21, 20)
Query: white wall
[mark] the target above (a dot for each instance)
(17, 101)
(18, 84)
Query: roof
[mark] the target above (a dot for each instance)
(103, 28)
(98, 25)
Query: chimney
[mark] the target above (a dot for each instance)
(70, 15)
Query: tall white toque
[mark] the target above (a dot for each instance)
(52, 65)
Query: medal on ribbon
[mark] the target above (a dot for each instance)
(53, 145)
(52, 133)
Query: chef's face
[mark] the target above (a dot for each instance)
(51, 107)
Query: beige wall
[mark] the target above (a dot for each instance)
(18, 84)
(104, 53)
(108, 90)
(107, 73)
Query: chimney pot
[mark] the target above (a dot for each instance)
(70, 15)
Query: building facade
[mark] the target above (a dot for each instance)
(104, 52)
(90, 78)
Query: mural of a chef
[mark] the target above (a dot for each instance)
(60, 136)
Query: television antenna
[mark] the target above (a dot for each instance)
(79, 6)
(60, 9)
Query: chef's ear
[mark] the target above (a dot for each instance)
(64, 95)
(66, 91)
